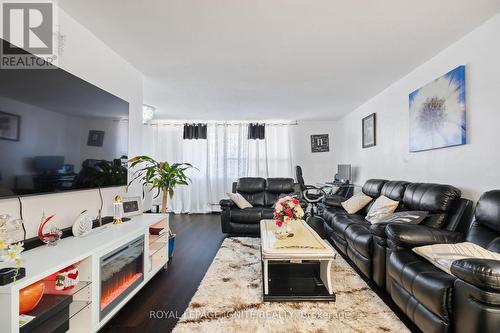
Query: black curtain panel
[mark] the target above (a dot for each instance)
(195, 131)
(256, 131)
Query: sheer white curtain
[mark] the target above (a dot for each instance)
(225, 156)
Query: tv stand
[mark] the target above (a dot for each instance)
(86, 253)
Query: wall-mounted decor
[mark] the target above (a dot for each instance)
(369, 128)
(320, 143)
(10, 125)
(437, 113)
(96, 138)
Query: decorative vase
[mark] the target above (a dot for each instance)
(30, 296)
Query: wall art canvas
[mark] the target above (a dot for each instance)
(437, 113)
(320, 143)
(369, 128)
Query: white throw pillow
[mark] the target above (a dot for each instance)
(443, 255)
(239, 200)
(355, 203)
(381, 208)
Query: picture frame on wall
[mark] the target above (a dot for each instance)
(369, 130)
(320, 143)
(95, 139)
(10, 126)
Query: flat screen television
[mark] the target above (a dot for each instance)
(58, 133)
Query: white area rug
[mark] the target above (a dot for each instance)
(229, 299)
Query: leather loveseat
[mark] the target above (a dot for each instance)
(262, 194)
(468, 300)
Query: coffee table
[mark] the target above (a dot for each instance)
(297, 268)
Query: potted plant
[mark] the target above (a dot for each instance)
(163, 177)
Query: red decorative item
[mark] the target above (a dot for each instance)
(52, 237)
(67, 278)
(30, 296)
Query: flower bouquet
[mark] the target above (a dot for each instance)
(10, 249)
(287, 210)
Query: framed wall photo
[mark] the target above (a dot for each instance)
(96, 138)
(320, 143)
(369, 128)
(10, 126)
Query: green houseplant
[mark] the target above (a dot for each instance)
(162, 176)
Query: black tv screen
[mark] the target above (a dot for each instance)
(58, 133)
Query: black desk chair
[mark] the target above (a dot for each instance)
(311, 194)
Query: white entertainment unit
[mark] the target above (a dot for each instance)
(87, 253)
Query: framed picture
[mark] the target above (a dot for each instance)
(369, 128)
(132, 206)
(10, 126)
(320, 143)
(96, 138)
(437, 113)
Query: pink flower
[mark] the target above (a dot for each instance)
(279, 223)
(283, 203)
(289, 212)
(295, 201)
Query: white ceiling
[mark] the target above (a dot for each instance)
(274, 59)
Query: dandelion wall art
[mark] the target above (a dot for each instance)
(437, 113)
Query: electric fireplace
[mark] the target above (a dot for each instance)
(121, 272)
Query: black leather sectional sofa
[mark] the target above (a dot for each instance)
(366, 244)
(262, 194)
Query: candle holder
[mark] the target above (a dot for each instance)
(118, 210)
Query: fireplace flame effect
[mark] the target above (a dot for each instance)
(111, 292)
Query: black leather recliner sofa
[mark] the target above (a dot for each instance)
(468, 300)
(365, 244)
(262, 194)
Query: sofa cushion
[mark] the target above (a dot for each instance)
(430, 197)
(267, 213)
(381, 208)
(253, 189)
(437, 199)
(372, 187)
(443, 255)
(429, 285)
(330, 212)
(359, 237)
(277, 186)
(247, 215)
(394, 189)
(487, 211)
(341, 222)
(355, 203)
(239, 200)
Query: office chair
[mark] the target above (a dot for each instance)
(311, 194)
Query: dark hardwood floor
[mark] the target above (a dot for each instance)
(198, 240)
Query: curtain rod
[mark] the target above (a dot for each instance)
(181, 123)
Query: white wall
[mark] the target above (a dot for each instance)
(85, 56)
(316, 167)
(471, 167)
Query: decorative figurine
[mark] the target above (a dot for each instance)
(82, 225)
(52, 237)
